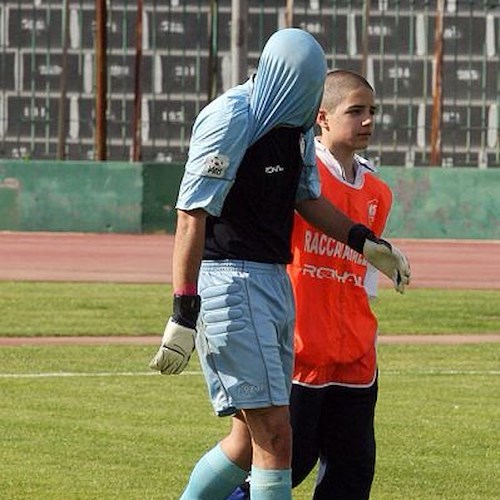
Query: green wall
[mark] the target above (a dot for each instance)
(444, 203)
(70, 196)
(140, 197)
(161, 184)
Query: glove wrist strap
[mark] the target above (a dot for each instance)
(357, 236)
(186, 309)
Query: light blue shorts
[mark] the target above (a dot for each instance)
(245, 334)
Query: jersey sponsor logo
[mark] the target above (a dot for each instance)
(216, 166)
(274, 169)
(320, 244)
(329, 273)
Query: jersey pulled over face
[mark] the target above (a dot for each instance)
(289, 82)
(285, 92)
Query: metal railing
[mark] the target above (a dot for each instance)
(434, 66)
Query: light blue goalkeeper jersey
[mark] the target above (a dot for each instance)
(285, 91)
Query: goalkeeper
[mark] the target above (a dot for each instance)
(251, 163)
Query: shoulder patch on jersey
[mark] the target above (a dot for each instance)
(216, 166)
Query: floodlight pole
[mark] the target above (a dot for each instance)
(239, 41)
(101, 75)
(289, 13)
(437, 88)
(365, 41)
(213, 39)
(61, 119)
(136, 126)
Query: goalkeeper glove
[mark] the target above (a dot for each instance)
(381, 254)
(177, 343)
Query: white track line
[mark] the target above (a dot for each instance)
(88, 374)
(439, 372)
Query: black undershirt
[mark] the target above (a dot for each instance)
(257, 218)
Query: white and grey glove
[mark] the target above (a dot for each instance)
(175, 350)
(387, 258)
(177, 343)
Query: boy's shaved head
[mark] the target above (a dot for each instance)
(338, 83)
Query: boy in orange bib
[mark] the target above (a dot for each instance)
(335, 377)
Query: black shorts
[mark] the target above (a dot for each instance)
(334, 424)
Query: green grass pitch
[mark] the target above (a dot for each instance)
(94, 422)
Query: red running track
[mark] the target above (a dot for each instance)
(127, 258)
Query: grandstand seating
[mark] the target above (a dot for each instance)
(175, 73)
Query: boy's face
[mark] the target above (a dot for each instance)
(350, 125)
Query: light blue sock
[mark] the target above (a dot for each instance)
(214, 477)
(271, 484)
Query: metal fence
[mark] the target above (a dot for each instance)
(434, 66)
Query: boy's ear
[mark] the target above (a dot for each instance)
(321, 118)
